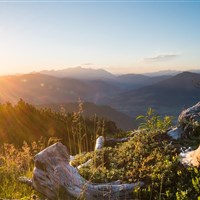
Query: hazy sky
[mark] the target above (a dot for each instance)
(117, 36)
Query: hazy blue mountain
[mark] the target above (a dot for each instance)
(42, 89)
(125, 81)
(163, 73)
(169, 72)
(80, 73)
(132, 78)
(135, 81)
(167, 97)
(195, 71)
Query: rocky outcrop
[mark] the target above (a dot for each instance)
(188, 126)
(189, 121)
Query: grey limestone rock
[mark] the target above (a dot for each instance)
(189, 121)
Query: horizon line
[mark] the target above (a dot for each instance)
(113, 73)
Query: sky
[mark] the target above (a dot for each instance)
(119, 36)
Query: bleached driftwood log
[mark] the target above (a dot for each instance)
(84, 164)
(99, 145)
(113, 141)
(100, 142)
(56, 179)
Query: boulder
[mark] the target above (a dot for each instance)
(189, 121)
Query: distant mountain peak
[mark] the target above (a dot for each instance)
(171, 72)
(182, 80)
(81, 73)
(186, 73)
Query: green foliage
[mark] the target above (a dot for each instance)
(187, 183)
(17, 162)
(146, 157)
(153, 122)
(143, 158)
(149, 157)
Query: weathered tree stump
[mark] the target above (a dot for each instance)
(55, 178)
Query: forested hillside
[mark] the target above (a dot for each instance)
(122, 120)
(23, 122)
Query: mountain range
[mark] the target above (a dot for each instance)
(130, 94)
(93, 74)
(40, 89)
(169, 96)
(169, 72)
(80, 73)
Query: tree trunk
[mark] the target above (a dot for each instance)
(55, 178)
(113, 141)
